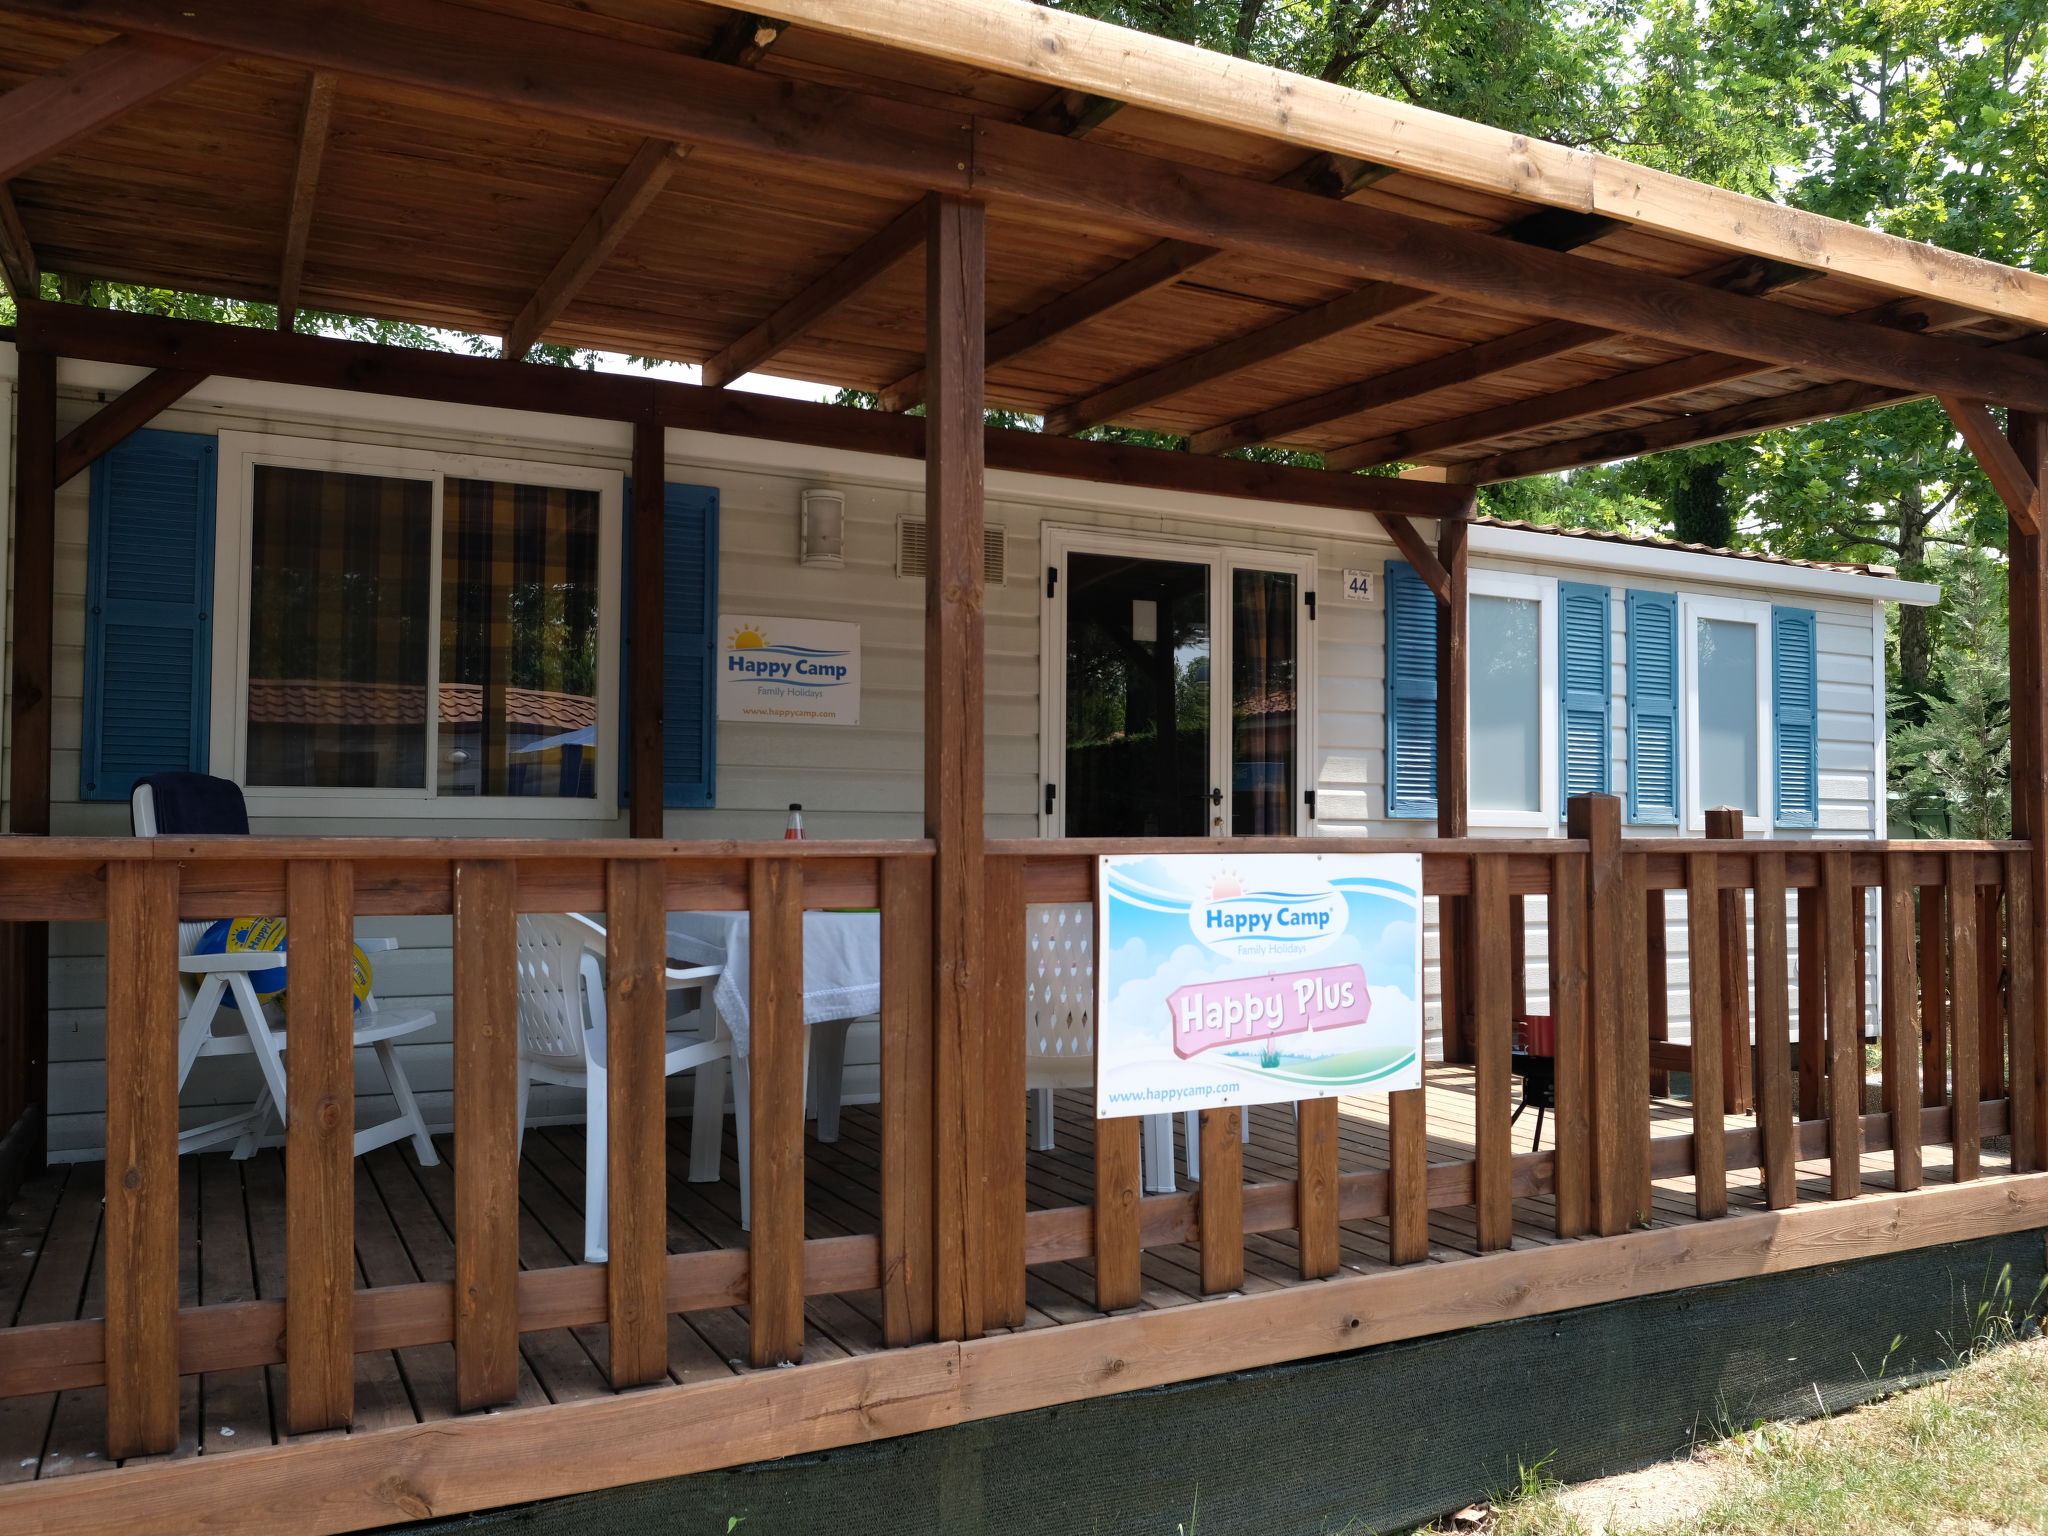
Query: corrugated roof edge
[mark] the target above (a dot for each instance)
(1607, 536)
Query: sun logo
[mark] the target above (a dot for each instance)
(1226, 887)
(747, 638)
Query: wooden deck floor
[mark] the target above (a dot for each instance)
(233, 1250)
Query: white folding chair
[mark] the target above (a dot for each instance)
(562, 1041)
(219, 993)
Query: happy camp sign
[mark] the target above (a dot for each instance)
(1256, 979)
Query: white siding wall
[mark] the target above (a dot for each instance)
(863, 781)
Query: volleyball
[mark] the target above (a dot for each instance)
(241, 935)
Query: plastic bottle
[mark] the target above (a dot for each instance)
(795, 829)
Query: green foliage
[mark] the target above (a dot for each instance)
(1951, 767)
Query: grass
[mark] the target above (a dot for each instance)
(1967, 1456)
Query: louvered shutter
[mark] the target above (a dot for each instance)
(1411, 693)
(689, 716)
(1795, 709)
(1585, 684)
(1652, 707)
(148, 614)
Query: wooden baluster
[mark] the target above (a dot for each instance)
(1492, 999)
(1408, 1176)
(907, 1301)
(1709, 1095)
(1737, 1053)
(1221, 1201)
(775, 1273)
(1812, 933)
(2029, 1067)
(1001, 1111)
(1844, 1031)
(486, 1073)
(1657, 960)
(1899, 1053)
(1991, 1077)
(1933, 996)
(1633, 1057)
(319, 1149)
(1518, 956)
(1615, 998)
(1774, 1095)
(1315, 1137)
(141, 1247)
(1965, 1119)
(636, 1005)
(1118, 1189)
(1573, 1118)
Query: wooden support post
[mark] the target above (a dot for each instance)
(1737, 1052)
(1568, 988)
(2027, 872)
(141, 1257)
(1493, 1158)
(1900, 1050)
(1709, 1096)
(319, 1149)
(636, 1095)
(1316, 1193)
(486, 1072)
(644, 686)
(1774, 1096)
(1965, 1116)
(775, 1269)
(1614, 1010)
(953, 754)
(1221, 1201)
(906, 1101)
(1002, 1094)
(1454, 779)
(1845, 1031)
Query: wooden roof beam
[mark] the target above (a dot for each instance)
(630, 196)
(875, 258)
(437, 46)
(155, 341)
(313, 128)
(1624, 391)
(60, 108)
(1551, 228)
(1158, 267)
(2013, 481)
(136, 407)
(18, 265)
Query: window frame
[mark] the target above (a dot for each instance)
(1692, 607)
(1541, 590)
(240, 454)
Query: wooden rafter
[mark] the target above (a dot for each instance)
(875, 257)
(18, 263)
(60, 108)
(435, 45)
(1157, 267)
(154, 341)
(1623, 391)
(138, 405)
(2001, 464)
(630, 196)
(1073, 113)
(313, 127)
(1503, 354)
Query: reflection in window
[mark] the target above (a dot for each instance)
(1263, 713)
(1506, 704)
(1726, 714)
(338, 650)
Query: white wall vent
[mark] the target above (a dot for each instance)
(911, 546)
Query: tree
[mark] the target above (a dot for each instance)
(1951, 768)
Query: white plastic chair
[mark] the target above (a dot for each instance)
(1059, 1032)
(218, 991)
(562, 1041)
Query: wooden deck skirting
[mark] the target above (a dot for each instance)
(370, 1479)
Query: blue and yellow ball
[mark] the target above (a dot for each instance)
(238, 935)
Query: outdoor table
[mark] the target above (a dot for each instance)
(842, 982)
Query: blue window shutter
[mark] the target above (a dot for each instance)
(1585, 683)
(1411, 693)
(1652, 707)
(1795, 708)
(689, 568)
(148, 612)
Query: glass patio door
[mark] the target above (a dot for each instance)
(1177, 684)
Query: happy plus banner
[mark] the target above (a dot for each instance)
(1256, 979)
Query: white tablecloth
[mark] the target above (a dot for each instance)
(842, 963)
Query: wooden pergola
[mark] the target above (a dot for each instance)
(1112, 229)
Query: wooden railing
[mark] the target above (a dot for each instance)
(1777, 933)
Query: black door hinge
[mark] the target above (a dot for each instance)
(1052, 580)
(1308, 797)
(1051, 793)
(1310, 599)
